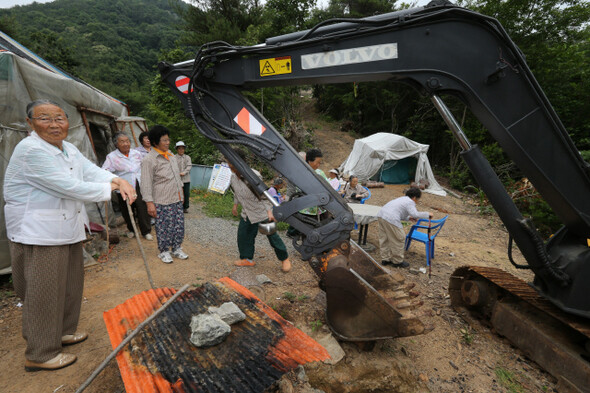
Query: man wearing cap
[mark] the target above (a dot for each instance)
(184, 167)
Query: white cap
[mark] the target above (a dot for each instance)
(180, 144)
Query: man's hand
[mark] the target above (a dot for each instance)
(430, 216)
(234, 210)
(271, 217)
(127, 191)
(151, 208)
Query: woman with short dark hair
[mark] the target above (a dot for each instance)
(144, 144)
(163, 193)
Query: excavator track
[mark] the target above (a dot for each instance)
(558, 342)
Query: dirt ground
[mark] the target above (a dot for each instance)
(454, 357)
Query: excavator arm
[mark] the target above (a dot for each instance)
(438, 49)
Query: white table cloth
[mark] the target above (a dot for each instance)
(364, 214)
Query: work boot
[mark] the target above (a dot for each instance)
(401, 264)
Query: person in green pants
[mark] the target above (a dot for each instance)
(254, 211)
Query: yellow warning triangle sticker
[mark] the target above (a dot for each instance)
(267, 69)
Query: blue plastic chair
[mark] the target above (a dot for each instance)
(367, 197)
(425, 237)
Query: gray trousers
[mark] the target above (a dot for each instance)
(50, 281)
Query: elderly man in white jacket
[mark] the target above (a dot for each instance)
(46, 184)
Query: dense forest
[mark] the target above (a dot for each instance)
(115, 45)
(112, 44)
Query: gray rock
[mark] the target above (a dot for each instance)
(333, 347)
(228, 313)
(301, 375)
(263, 279)
(208, 330)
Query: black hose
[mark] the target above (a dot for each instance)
(516, 265)
(561, 277)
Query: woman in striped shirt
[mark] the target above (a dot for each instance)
(162, 191)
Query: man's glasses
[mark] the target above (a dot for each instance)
(49, 120)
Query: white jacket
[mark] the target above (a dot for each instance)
(45, 191)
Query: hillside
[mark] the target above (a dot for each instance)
(111, 44)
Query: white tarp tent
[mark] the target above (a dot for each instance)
(93, 115)
(371, 153)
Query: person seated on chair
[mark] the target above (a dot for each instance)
(333, 175)
(391, 231)
(274, 190)
(353, 192)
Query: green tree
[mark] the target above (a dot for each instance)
(51, 47)
(555, 37)
(166, 109)
(8, 25)
(219, 20)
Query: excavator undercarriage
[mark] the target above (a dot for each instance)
(557, 341)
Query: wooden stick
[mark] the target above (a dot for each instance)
(106, 212)
(129, 338)
(147, 269)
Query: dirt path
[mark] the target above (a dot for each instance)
(454, 357)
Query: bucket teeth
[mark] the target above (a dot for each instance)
(399, 295)
(410, 327)
(414, 293)
(407, 287)
(400, 305)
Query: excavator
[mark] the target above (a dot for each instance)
(439, 49)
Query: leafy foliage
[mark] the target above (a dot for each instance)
(217, 205)
(111, 44)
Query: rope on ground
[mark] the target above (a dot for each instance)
(105, 257)
(129, 338)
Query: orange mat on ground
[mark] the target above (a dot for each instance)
(161, 358)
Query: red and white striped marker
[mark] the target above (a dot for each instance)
(182, 83)
(249, 123)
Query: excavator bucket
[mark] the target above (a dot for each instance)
(357, 311)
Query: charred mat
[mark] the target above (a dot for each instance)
(161, 358)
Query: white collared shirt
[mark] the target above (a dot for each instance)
(45, 190)
(400, 209)
(126, 167)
